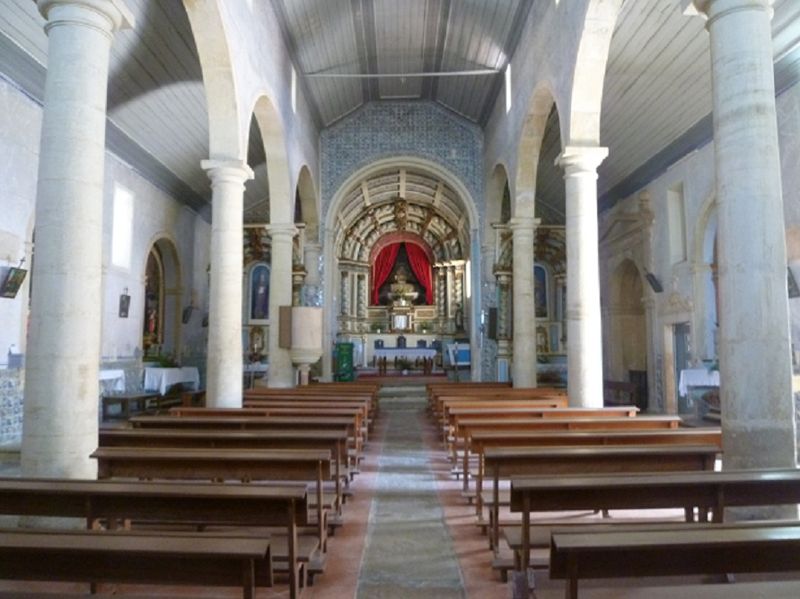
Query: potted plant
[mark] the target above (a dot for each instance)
(404, 364)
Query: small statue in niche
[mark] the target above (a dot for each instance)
(401, 292)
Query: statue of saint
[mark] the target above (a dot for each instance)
(401, 291)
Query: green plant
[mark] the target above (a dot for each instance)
(404, 364)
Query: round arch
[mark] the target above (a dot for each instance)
(330, 258)
(225, 142)
(585, 102)
(529, 148)
(705, 322)
(309, 203)
(281, 191)
(496, 199)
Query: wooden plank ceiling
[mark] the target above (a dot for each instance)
(656, 103)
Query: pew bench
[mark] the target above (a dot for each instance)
(158, 504)
(333, 441)
(789, 589)
(220, 465)
(469, 426)
(716, 549)
(107, 557)
(505, 462)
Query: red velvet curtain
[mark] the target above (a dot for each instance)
(418, 260)
(384, 262)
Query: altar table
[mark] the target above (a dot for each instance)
(409, 353)
(161, 379)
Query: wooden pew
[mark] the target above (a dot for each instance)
(457, 413)
(494, 395)
(710, 492)
(511, 411)
(450, 407)
(220, 465)
(254, 423)
(333, 441)
(716, 549)
(88, 556)
(285, 506)
(505, 462)
(467, 425)
(480, 441)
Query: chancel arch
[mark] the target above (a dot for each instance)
(399, 240)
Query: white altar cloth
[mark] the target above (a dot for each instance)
(409, 353)
(118, 376)
(161, 379)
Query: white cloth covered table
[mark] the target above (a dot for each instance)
(161, 379)
(697, 377)
(118, 376)
(409, 353)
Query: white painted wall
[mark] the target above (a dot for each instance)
(20, 126)
(684, 294)
(156, 214)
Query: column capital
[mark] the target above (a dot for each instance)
(715, 9)
(114, 12)
(281, 229)
(524, 223)
(581, 159)
(232, 171)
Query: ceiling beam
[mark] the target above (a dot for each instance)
(364, 25)
(436, 32)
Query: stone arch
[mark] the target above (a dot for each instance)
(225, 141)
(308, 201)
(589, 75)
(331, 228)
(628, 323)
(171, 294)
(706, 320)
(496, 197)
(529, 149)
(281, 191)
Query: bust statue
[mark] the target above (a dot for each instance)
(401, 292)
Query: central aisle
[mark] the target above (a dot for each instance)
(409, 551)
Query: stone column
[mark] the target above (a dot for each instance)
(523, 367)
(585, 348)
(758, 416)
(281, 370)
(361, 295)
(61, 376)
(224, 374)
(503, 304)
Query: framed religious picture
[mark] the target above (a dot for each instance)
(12, 282)
(124, 305)
(258, 293)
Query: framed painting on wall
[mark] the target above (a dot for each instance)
(258, 295)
